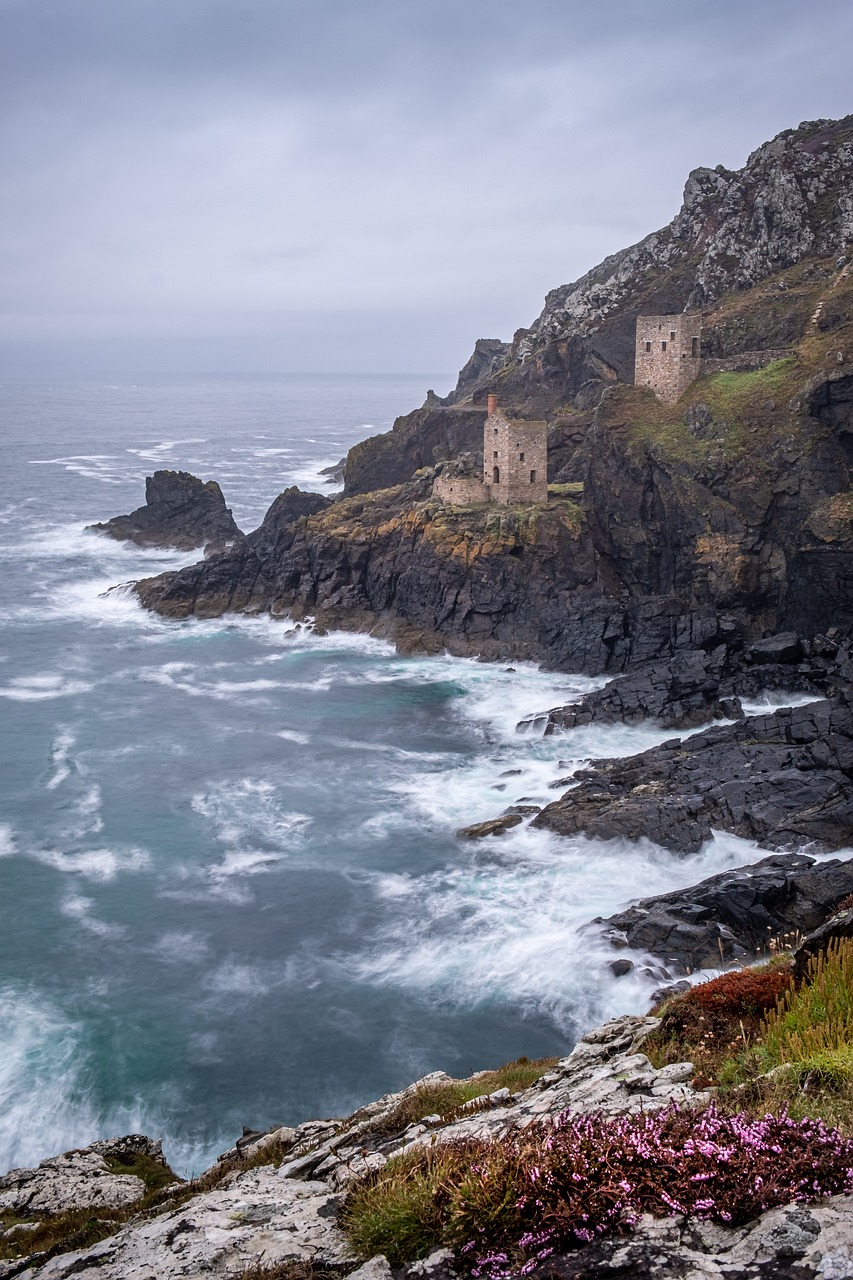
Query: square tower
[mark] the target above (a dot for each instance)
(667, 354)
(515, 458)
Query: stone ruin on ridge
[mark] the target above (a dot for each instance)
(515, 464)
(667, 354)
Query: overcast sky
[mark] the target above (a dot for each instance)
(299, 185)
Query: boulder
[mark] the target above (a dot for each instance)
(738, 915)
(838, 926)
(180, 511)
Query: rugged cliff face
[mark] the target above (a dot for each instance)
(716, 520)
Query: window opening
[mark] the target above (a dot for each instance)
(694, 348)
(533, 477)
(521, 457)
(663, 346)
(496, 476)
(648, 346)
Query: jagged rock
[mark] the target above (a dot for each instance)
(796, 1242)
(677, 694)
(838, 926)
(781, 779)
(180, 511)
(493, 827)
(732, 916)
(781, 648)
(79, 1179)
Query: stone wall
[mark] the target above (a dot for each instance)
(515, 459)
(668, 354)
(460, 491)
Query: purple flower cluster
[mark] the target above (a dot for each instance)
(553, 1187)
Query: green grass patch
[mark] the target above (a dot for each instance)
(814, 1022)
(401, 1211)
(447, 1100)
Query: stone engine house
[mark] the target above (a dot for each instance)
(515, 464)
(667, 354)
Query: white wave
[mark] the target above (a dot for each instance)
(91, 466)
(291, 735)
(776, 700)
(508, 923)
(7, 840)
(241, 863)
(60, 752)
(87, 820)
(234, 977)
(42, 688)
(78, 908)
(247, 812)
(46, 1101)
(94, 864)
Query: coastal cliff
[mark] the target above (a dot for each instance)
(722, 518)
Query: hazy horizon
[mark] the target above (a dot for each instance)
(293, 187)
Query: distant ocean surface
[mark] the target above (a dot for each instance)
(231, 891)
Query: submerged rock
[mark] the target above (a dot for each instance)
(180, 511)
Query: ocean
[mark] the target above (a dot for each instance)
(231, 889)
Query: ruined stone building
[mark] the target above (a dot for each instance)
(515, 464)
(667, 354)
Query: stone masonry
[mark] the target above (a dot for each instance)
(515, 464)
(667, 354)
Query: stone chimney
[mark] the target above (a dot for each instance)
(491, 403)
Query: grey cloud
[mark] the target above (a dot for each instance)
(184, 172)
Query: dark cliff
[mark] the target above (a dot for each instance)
(719, 519)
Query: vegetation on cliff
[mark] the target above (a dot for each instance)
(780, 1057)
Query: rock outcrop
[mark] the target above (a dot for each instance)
(782, 779)
(796, 1242)
(737, 916)
(180, 511)
(83, 1179)
(277, 1212)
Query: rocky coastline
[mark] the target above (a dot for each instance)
(700, 556)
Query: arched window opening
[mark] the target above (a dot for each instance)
(496, 476)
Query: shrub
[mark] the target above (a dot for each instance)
(715, 1019)
(508, 1205)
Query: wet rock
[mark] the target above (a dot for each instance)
(180, 511)
(733, 916)
(780, 779)
(677, 694)
(494, 827)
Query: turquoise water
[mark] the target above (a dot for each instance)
(231, 888)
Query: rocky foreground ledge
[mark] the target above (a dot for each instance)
(276, 1198)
